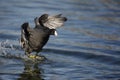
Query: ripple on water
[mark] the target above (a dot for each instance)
(87, 47)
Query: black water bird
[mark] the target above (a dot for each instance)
(33, 39)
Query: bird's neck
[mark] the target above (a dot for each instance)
(38, 26)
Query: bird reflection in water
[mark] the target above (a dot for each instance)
(31, 72)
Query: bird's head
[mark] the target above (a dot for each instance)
(54, 32)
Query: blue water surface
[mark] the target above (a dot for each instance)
(87, 46)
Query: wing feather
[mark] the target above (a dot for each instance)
(53, 22)
(24, 34)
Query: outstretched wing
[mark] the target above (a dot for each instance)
(52, 22)
(24, 34)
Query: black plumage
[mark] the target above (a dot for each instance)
(33, 39)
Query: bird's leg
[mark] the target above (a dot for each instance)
(32, 56)
(36, 54)
(40, 57)
(27, 53)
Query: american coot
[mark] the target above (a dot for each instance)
(33, 39)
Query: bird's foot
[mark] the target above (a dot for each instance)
(32, 56)
(36, 57)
